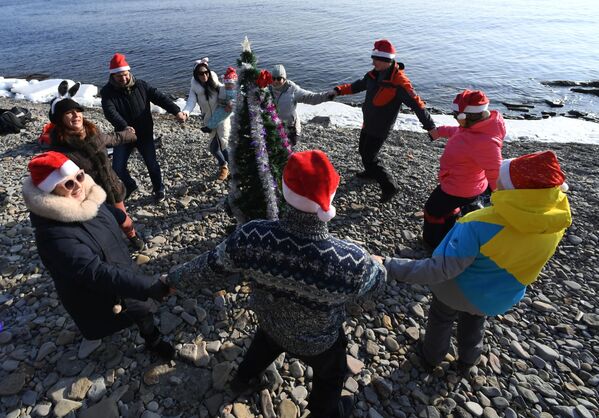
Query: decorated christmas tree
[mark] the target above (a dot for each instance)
(258, 147)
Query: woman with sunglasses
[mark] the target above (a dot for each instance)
(286, 95)
(469, 164)
(206, 91)
(78, 241)
(83, 143)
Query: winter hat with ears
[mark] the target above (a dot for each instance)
(49, 169)
(118, 63)
(279, 71)
(310, 182)
(62, 103)
(470, 101)
(383, 51)
(539, 170)
(230, 76)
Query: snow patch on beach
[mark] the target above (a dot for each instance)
(557, 129)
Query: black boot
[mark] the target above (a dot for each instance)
(157, 345)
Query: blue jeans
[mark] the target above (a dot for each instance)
(146, 148)
(220, 153)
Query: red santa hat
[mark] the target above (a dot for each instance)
(230, 76)
(470, 101)
(310, 182)
(118, 63)
(383, 50)
(49, 169)
(539, 170)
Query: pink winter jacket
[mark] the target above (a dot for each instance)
(472, 156)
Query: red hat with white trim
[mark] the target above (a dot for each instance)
(49, 169)
(230, 76)
(383, 50)
(310, 182)
(539, 170)
(118, 64)
(470, 101)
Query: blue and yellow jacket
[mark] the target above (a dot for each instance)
(489, 257)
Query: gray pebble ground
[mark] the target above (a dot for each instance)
(540, 359)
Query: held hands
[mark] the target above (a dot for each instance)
(434, 134)
(378, 258)
(160, 289)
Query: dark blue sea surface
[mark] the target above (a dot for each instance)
(504, 47)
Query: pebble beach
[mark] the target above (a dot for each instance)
(540, 358)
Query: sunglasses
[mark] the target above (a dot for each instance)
(70, 184)
(278, 78)
(202, 72)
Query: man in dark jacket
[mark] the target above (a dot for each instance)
(387, 87)
(80, 244)
(126, 104)
(302, 278)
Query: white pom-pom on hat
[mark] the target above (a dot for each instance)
(310, 182)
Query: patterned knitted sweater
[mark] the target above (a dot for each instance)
(301, 277)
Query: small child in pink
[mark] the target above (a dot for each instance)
(469, 164)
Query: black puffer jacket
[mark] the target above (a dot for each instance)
(131, 107)
(81, 246)
(91, 156)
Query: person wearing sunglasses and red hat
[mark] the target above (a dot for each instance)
(78, 241)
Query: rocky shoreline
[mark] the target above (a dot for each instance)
(540, 359)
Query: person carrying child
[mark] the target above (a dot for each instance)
(486, 261)
(469, 164)
(225, 105)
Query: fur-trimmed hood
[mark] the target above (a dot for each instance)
(63, 209)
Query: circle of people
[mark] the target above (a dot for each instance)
(481, 263)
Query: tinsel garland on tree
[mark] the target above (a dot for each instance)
(258, 147)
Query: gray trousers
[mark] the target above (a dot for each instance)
(471, 330)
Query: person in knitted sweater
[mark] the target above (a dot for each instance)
(469, 165)
(302, 278)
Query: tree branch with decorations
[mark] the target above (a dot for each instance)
(258, 146)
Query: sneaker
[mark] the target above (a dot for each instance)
(129, 192)
(241, 387)
(159, 196)
(137, 242)
(389, 194)
(223, 172)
